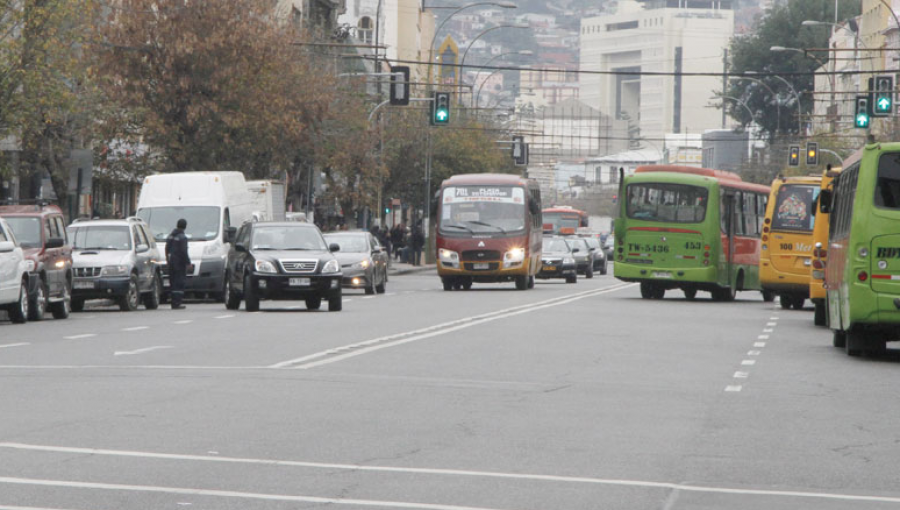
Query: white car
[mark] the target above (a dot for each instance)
(13, 276)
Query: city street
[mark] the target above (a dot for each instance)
(563, 397)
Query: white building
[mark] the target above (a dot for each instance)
(667, 36)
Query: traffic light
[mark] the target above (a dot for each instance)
(884, 96)
(518, 147)
(440, 109)
(794, 159)
(387, 209)
(862, 112)
(400, 85)
(812, 154)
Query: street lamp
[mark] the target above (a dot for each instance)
(774, 95)
(796, 95)
(741, 102)
(475, 102)
(831, 77)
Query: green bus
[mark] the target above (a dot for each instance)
(862, 275)
(694, 229)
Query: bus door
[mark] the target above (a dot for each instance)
(728, 214)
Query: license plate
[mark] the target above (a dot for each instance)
(299, 282)
(481, 266)
(166, 282)
(662, 274)
(549, 268)
(83, 285)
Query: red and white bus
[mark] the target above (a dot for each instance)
(564, 220)
(488, 230)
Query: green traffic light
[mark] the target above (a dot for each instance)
(862, 120)
(441, 115)
(883, 104)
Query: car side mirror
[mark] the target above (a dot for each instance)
(377, 250)
(142, 248)
(825, 201)
(230, 234)
(7, 246)
(576, 250)
(55, 242)
(240, 247)
(333, 247)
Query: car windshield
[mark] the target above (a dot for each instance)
(555, 245)
(593, 243)
(26, 229)
(610, 242)
(578, 244)
(794, 208)
(482, 209)
(106, 237)
(287, 238)
(671, 203)
(349, 243)
(202, 222)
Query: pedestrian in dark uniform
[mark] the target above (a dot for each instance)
(178, 260)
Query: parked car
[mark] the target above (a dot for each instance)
(115, 259)
(598, 254)
(584, 257)
(282, 261)
(41, 232)
(609, 246)
(557, 260)
(14, 278)
(364, 262)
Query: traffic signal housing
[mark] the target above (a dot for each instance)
(884, 96)
(863, 114)
(440, 109)
(812, 154)
(794, 158)
(399, 85)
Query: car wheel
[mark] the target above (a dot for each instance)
(589, 272)
(63, 307)
(151, 299)
(232, 298)
(251, 298)
(336, 303)
(839, 339)
(314, 302)
(530, 283)
(129, 302)
(18, 311)
(447, 283)
(381, 287)
(768, 296)
(819, 314)
(646, 290)
(572, 279)
(798, 303)
(603, 269)
(37, 308)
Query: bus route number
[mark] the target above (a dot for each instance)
(787, 246)
(692, 245)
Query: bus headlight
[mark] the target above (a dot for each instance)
(513, 257)
(448, 258)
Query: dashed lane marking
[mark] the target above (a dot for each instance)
(741, 375)
(763, 337)
(141, 351)
(759, 344)
(224, 316)
(768, 330)
(734, 388)
(78, 337)
(183, 322)
(753, 353)
(20, 344)
(748, 362)
(136, 328)
(773, 318)
(770, 324)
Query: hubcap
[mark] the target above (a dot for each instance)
(132, 294)
(23, 302)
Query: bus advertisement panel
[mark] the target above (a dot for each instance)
(787, 248)
(862, 277)
(564, 220)
(488, 231)
(820, 248)
(693, 229)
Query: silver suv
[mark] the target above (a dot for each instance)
(115, 259)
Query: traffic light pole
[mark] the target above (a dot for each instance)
(426, 205)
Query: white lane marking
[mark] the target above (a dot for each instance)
(748, 362)
(773, 318)
(770, 324)
(119, 367)
(446, 472)
(768, 330)
(734, 388)
(224, 316)
(233, 494)
(347, 300)
(759, 344)
(136, 328)
(85, 317)
(753, 353)
(763, 337)
(7, 507)
(741, 375)
(390, 293)
(141, 351)
(339, 353)
(183, 322)
(77, 337)
(20, 344)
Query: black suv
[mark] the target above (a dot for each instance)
(282, 261)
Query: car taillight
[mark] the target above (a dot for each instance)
(817, 264)
(706, 254)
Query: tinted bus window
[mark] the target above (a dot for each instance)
(483, 209)
(677, 203)
(887, 188)
(794, 206)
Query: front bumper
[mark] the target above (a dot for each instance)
(290, 287)
(484, 270)
(99, 288)
(207, 276)
(557, 270)
(356, 278)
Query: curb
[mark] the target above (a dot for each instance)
(412, 270)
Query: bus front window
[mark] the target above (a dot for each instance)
(675, 203)
(482, 209)
(794, 208)
(887, 188)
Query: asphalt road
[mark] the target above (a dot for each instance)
(564, 397)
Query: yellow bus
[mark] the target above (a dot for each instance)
(817, 292)
(786, 256)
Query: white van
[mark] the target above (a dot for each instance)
(213, 203)
(268, 200)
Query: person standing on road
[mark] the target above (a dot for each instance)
(418, 242)
(178, 260)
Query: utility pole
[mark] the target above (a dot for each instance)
(725, 82)
(426, 205)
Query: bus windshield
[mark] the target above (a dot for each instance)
(794, 207)
(887, 188)
(202, 222)
(561, 220)
(482, 209)
(673, 203)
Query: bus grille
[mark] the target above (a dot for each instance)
(87, 272)
(479, 255)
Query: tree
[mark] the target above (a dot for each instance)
(781, 26)
(211, 85)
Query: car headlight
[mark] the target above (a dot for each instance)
(568, 260)
(29, 265)
(448, 257)
(264, 266)
(362, 264)
(513, 257)
(114, 271)
(332, 266)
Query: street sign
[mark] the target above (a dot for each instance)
(440, 109)
(812, 154)
(794, 158)
(884, 96)
(399, 85)
(862, 112)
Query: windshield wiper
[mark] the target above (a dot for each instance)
(501, 229)
(457, 225)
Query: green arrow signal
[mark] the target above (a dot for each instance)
(884, 104)
(441, 115)
(862, 120)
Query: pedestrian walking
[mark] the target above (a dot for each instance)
(178, 261)
(418, 242)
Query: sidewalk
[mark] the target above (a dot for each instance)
(399, 268)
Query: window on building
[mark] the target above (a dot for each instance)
(364, 29)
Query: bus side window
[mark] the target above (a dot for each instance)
(761, 211)
(739, 213)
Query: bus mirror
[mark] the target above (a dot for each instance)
(825, 201)
(533, 207)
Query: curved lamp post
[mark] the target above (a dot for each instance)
(774, 95)
(462, 62)
(796, 96)
(477, 95)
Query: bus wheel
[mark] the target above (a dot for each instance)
(839, 339)
(521, 283)
(690, 294)
(467, 285)
(768, 296)
(530, 282)
(724, 294)
(785, 302)
(448, 283)
(819, 317)
(646, 290)
(798, 303)
(854, 343)
(659, 293)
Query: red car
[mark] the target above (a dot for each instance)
(41, 231)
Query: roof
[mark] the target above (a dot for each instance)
(705, 172)
(105, 223)
(282, 224)
(495, 179)
(563, 208)
(29, 210)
